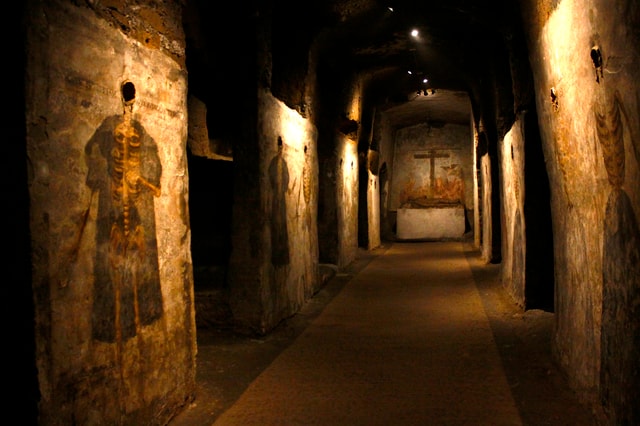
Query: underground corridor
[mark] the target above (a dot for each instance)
(410, 333)
(334, 212)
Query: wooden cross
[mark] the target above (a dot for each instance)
(431, 155)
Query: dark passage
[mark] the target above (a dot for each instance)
(413, 333)
(210, 203)
(210, 207)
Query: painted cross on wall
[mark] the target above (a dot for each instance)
(431, 155)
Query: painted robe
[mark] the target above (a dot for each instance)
(124, 170)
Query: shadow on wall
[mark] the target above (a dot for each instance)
(279, 179)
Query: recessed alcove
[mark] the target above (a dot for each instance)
(210, 202)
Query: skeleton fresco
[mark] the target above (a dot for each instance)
(620, 341)
(124, 171)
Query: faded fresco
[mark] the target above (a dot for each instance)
(279, 179)
(124, 173)
(437, 168)
(441, 185)
(620, 272)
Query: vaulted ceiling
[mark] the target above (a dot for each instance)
(462, 47)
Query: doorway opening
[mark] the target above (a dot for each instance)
(210, 207)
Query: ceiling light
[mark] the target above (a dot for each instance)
(414, 33)
(409, 72)
(390, 9)
(425, 80)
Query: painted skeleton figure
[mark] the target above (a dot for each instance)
(124, 169)
(125, 187)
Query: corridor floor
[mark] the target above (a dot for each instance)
(410, 334)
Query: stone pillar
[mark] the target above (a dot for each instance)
(112, 277)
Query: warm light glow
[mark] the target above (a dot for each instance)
(425, 80)
(414, 33)
(293, 129)
(355, 107)
(563, 28)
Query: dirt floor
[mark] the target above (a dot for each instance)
(231, 367)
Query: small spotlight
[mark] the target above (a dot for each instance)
(425, 80)
(390, 9)
(409, 72)
(414, 33)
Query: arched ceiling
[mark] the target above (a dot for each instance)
(461, 48)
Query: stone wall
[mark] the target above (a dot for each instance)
(112, 276)
(487, 243)
(339, 213)
(373, 201)
(347, 191)
(199, 142)
(450, 181)
(284, 263)
(527, 241)
(586, 66)
(514, 241)
(477, 186)
(384, 135)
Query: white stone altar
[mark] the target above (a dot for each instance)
(431, 223)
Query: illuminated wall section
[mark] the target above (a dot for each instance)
(112, 276)
(586, 69)
(477, 231)
(347, 181)
(347, 200)
(511, 158)
(373, 208)
(288, 185)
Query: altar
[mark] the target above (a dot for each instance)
(431, 222)
(431, 190)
